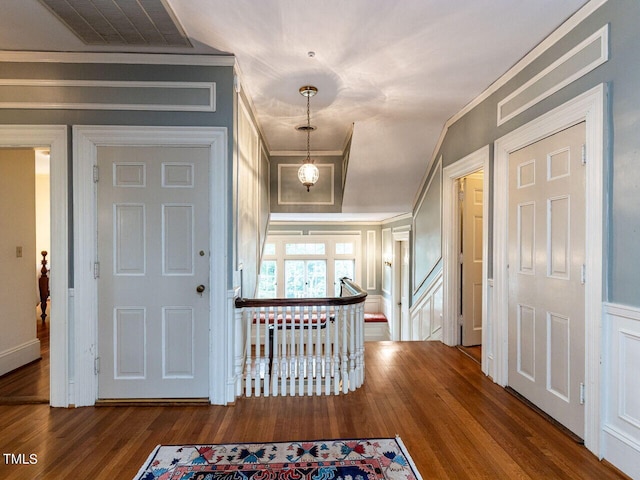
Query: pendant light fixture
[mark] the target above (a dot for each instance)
(308, 173)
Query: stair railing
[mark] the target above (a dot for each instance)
(302, 346)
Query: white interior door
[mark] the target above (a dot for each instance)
(403, 289)
(471, 242)
(546, 282)
(153, 237)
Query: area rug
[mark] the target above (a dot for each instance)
(362, 459)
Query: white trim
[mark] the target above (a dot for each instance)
(86, 141)
(621, 434)
(122, 58)
(397, 218)
(588, 107)
(387, 256)
(528, 59)
(303, 153)
(478, 160)
(210, 87)
(372, 255)
(602, 35)
(55, 138)
(19, 355)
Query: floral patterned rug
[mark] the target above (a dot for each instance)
(363, 459)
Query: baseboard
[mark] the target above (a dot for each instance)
(621, 451)
(20, 355)
(154, 402)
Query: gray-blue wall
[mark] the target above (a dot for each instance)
(622, 156)
(222, 117)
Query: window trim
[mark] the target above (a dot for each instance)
(330, 256)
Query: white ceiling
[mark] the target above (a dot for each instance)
(395, 70)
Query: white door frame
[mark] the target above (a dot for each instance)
(86, 139)
(398, 237)
(53, 137)
(589, 107)
(478, 160)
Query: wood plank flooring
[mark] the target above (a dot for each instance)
(455, 422)
(30, 383)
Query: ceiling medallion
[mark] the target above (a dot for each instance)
(308, 173)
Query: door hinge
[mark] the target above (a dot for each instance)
(461, 195)
(96, 174)
(96, 270)
(461, 258)
(581, 393)
(96, 365)
(583, 274)
(584, 154)
(460, 320)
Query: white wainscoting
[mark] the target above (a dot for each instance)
(426, 313)
(621, 425)
(373, 304)
(376, 331)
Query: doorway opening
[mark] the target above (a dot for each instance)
(465, 253)
(401, 325)
(25, 372)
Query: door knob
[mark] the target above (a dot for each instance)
(200, 289)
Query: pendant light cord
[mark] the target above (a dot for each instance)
(308, 131)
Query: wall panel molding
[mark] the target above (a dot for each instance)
(621, 425)
(122, 95)
(580, 60)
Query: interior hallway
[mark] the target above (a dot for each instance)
(455, 422)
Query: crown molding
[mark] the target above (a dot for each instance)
(303, 153)
(123, 58)
(559, 33)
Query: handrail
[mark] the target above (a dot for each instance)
(357, 295)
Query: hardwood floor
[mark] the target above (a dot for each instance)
(455, 422)
(29, 384)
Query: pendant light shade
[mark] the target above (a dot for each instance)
(308, 173)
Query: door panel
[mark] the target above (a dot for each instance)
(546, 291)
(471, 309)
(153, 237)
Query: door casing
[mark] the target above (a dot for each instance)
(55, 138)
(86, 139)
(588, 107)
(478, 160)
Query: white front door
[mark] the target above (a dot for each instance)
(471, 242)
(153, 252)
(546, 279)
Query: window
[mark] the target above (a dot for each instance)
(268, 280)
(304, 249)
(308, 266)
(343, 268)
(305, 278)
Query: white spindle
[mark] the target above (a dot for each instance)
(352, 348)
(360, 336)
(327, 355)
(275, 353)
(293, 359)
(317, 358)
(248, 319)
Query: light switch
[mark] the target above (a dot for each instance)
(19, 252)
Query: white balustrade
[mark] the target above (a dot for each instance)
(302, 347)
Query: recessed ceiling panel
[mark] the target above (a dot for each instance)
(120, 22)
